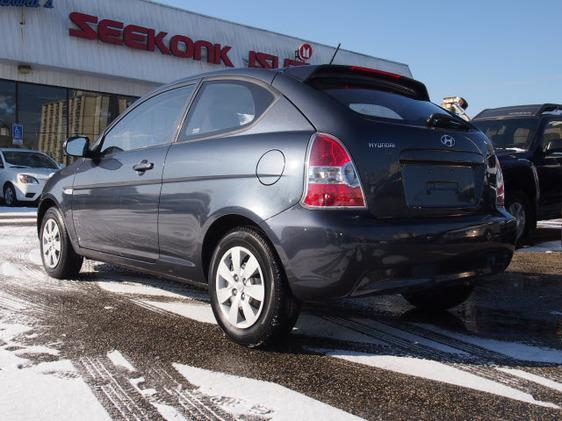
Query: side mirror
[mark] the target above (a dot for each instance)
(554, 146)
(77, 146)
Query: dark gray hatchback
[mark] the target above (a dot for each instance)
(277, 187)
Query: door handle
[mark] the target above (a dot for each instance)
(143, 166)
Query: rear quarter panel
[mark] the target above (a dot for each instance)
(210, 178)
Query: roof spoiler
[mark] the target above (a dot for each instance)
(402, 84)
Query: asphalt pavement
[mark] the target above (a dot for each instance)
(117, 344)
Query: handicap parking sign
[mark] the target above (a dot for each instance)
(17, 134)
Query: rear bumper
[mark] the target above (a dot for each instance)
(329, 254)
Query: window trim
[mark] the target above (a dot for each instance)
(138, 103)
(225, 132)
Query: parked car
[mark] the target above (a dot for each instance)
(278, 187)
(528, 141)
(23, 174)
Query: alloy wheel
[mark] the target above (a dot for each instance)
(51, 242)
(517, 209)
(240, 287)
(9, 198)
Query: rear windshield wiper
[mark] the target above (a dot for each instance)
(444, 120)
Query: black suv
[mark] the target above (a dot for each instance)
(528, 141)
(277, 187)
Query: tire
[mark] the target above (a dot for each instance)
(10, 197)
(440, 298)
(65, 263)
(240, 313)
(518, 204)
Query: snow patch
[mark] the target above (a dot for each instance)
(135, 288)
(543, 381)
(433, 370)
(515, 350)
(46, 391)
(192, 310)
(119, 360)
(547, 247)
(242, 396)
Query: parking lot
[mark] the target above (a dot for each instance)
(117, 344)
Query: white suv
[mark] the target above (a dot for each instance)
(23, 174)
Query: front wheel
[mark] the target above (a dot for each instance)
(249, 293)
(10, 198)
(59, 258)
(518, 205)
(440, 298)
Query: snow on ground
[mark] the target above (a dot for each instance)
(517, 351)
(247, 397)
(434, 370)
(17, 211)
(45, 391)
(547, 247)
(550, 224)
(120, 361)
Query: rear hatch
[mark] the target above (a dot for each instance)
(414, 158)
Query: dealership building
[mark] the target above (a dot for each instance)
(69, 67)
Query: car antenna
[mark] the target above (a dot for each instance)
(335, 53)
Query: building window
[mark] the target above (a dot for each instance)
(7, 111)
(43, 111)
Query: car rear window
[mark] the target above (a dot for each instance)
(372, 103)
(514, 133)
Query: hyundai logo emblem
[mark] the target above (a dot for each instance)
(448, 141)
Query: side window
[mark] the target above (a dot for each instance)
(552, 131)
(225, 105)
(151, 123)
(1, 161)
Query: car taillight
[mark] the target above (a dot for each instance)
(500, 186)
(332, 180)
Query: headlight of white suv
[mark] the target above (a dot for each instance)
(27, 179)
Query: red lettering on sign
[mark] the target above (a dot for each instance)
(135, 37)
(197, 53)
(110, 31)
(221, 55)
(177, 50)
(83, 22)
(157, 41)
(290, 63)
(263, 60)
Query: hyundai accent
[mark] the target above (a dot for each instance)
(277, 187)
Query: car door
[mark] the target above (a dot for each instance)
(116, 194)
(549, 169)
(213, 168)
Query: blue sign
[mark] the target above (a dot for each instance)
(47, 4)
(17, 131)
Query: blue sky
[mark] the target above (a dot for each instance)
(494, 52)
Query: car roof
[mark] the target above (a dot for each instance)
(304, 73)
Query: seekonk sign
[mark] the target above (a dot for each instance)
(152, 40)
(47, 4)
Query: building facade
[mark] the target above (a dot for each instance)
(69, 67)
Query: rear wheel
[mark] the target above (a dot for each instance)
(518, 205)
(440, 298)
(59, 258)
(249, 293)
(10, 198)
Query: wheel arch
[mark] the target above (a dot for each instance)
(219, 227)
(45, 204)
